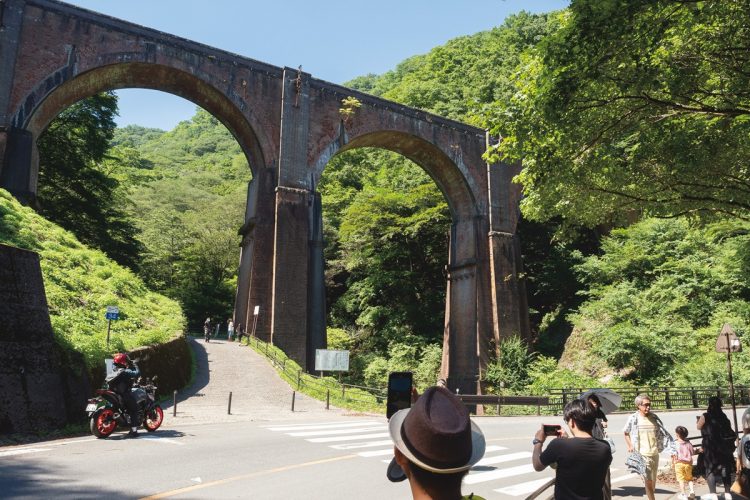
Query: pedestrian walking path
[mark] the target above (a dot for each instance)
(258, 393)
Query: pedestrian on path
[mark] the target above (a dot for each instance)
(582, 461)
(717, 445)
(683, 463)
(207, 329)
(646, 435)
(240, 333)
(230, 329)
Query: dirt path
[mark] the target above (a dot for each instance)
(258, 393)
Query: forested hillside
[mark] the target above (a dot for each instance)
(81, 282)
(616, 296)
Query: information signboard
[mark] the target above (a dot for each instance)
(331, 360)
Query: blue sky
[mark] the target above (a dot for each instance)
(334, 40)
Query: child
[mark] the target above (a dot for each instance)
(683, 462)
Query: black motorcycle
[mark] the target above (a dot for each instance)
(106, 411)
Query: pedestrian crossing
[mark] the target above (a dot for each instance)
(508, 473)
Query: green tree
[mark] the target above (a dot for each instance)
(657, 298)
(77, 188)
(633, 107)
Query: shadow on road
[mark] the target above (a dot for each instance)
(21, 480)
(202, 375)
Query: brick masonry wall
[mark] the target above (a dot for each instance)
(42, 385)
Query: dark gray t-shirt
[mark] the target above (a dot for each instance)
(582, 465)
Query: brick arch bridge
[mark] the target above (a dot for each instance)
(289, 125)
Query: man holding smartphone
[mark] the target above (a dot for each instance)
(582, 461)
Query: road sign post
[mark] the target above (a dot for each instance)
(113, 312)
(728, 342)
(255, 319)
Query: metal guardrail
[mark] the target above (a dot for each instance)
(664, 398)
(495, 400)
(661, 397)
(325, 387)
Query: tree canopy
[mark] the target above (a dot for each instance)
(78, 184)
(633, 107)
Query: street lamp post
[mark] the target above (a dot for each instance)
(728, 342)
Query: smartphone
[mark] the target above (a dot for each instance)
(399, 392)
(551, 429)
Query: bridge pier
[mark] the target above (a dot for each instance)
(16, 173)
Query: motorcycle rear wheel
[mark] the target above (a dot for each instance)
(153, 419)
(103, 423)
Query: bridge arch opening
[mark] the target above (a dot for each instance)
(390, 203)
(43, 104)
(172, 216)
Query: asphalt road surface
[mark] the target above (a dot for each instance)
(267, 452)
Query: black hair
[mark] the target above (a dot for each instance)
(714, 405)
(435, 481)
(582, 413)
(681, 431)
(595, 399)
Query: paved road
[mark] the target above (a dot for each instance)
(263, 450)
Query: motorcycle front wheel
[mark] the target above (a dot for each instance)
(103, 423)
(153, 419)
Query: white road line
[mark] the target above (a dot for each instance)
(481, 477)
(22, 451)
(523, 488)
(369, 444)
(347, 438)
(376, 453)
(335, 425)
(337, 431)
(498, 459)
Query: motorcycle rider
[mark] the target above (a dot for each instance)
(120, 381)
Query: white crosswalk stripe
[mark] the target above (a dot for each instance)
(331, 432)
(525, 488)
(348, 438)
(354, 446)
(507, 472)
(481, 477)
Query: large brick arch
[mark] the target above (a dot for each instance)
(53, 99)
(289, 125)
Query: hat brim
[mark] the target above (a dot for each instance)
(477, 444)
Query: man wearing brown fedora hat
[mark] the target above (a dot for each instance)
(436, 443)
(582, 461)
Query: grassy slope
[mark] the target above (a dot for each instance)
(81, 282)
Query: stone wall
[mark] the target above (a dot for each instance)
(41, 386)
(170, 362)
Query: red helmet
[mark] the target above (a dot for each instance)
(121, 359)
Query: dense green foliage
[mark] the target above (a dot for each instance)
(188, 189)
(634, 107)
(657, 299)
(77, 189)
(81, 282)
